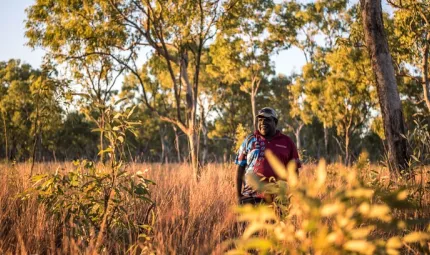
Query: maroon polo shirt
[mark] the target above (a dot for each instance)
(283, 148)
(251, 155)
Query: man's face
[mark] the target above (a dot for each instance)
(266, 126)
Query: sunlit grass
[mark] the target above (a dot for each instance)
(191, 217)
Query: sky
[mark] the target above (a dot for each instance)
(12, 44)
(12, 28)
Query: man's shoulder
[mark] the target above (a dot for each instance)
(249, 138)
(285, 138)
(247, 143)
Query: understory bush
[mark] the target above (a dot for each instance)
(96, 204)
(314, 217)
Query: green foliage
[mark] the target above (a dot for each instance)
(315, 217)
(419, 144)
(410, 30)
(337, 88)
(92, 201)
(77, 141)
(176, 32)
(177, 57)
(29, 109)
(297, 24)
(241, 51)
(241, 134)
(87, 195)
(409, 33)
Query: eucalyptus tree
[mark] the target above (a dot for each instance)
(16, 105)
(350, 93)
(176, 31)
(96, 79)
(31, 116)
(242, 49)
(155, 74)
(412, 30)
(232, 118)
(46, 93)
(286, 97)
(389, 100)
(312, 27)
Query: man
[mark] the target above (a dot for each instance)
(251, 159)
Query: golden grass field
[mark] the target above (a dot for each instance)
(191, 217)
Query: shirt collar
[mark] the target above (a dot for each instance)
(257, 134)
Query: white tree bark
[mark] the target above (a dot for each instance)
(389, 100)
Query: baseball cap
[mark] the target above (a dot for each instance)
(267, 112)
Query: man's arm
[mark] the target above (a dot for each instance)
(239, 180)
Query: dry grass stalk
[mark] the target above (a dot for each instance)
(191, 217)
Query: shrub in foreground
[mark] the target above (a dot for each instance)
(315, 218)
(96, 205)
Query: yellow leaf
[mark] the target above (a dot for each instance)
(330, 209)
(276, 164)
(252, 229)
(300, 234)
(280, 231)
(352, 177)
(364, 208)
(392, 252)
(394, 243)
(416, 237)
(121, 139)
(361, 246)
(381, 212)
(254, 181)
(321, 173)
(360, 193)
(402, 195)
(361, 232)
(401, 225)
(292, 174)
(334, 237)
(258, 244)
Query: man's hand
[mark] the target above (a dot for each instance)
(239, 180)
(239, 198)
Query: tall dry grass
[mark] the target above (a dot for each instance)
(190, 217)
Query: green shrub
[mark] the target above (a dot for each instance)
(316, 218)
(98, 202)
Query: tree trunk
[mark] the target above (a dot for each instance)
(389, 100)
(163, 149)
(347, 156)
(39, 151)
(5, 137)
(318, 147)
(193, 140)
(36, 133)
(424, 69)
(102, 126)
(205, 145)
(347, 127)
(33, 153)
(327, 156)
(254, 112)
(297, 134)
(191, 106)
(177, 147)
(205, 137)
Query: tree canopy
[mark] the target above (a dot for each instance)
(197, 71)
